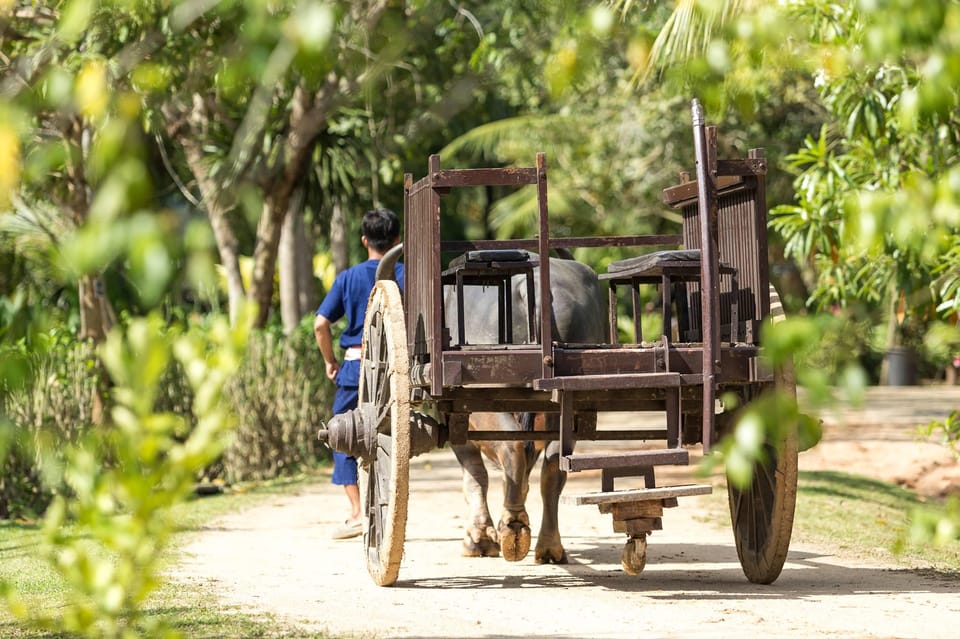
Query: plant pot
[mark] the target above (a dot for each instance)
(901, 367)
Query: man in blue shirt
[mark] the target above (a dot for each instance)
(348, 298)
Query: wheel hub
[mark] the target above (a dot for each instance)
(353, 433)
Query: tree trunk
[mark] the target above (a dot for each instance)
(339, 244)
(96, 319)
(189, 135)
(276, 206)
(892, 339)
(96, 312)
(229, 259)
(306, 288)
(293, 260)
(265, 258)
(308, 118)
(287, 267)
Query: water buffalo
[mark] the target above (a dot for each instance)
(579, 316)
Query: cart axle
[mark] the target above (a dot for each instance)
(355, 432)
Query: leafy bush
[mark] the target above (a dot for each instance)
(56, 407)
(280, 395)
(122, 478)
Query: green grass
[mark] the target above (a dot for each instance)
(856, 517)
(191, 610)
(866, 518)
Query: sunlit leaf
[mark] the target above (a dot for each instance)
(74, 18)
(10, 164)
(739, 468)
(90, 89)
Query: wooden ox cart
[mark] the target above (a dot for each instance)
(421, 380)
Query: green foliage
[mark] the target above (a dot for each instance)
(824, 350)
(937, 526)
(280, 395)
(815, 352)
(595, 187)
(52, 407)
(875, 223)
(875, 211)
(949, 430)
(192, 609)
(124, 478)
(856, 227)
(763, 421)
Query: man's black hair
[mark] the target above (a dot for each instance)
(381, 227)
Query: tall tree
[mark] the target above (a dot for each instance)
(65, 139)
(248, 125)
(875, 199)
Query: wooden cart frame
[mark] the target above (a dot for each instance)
(420, 382)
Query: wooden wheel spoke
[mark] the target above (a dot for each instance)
(383, 419)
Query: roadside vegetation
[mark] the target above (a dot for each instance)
(870, 518)
(193, 610)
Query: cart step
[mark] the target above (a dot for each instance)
(639, 494)
(596, 461)
(615, 382)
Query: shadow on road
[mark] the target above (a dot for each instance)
(686, 571)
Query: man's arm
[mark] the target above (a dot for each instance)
(321, 330)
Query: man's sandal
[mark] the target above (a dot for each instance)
(348, 529)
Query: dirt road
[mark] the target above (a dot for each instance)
(278, 558)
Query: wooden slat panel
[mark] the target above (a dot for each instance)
(742, 241)
(460, 246)
(640, 494)
(637, 526)
(509, 176)
(491, 367)
(747, 166)
(422, 286)
(595, 461)
(683, 194)
(633, 509)
(612, 382)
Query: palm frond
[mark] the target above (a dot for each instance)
(688, 32)
(515, 215)
(35, 232)
(498, 139)
(33, 228)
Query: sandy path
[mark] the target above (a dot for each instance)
(277, 558)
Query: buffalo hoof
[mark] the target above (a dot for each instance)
(481, 542)
(634, 556)
(514, 540)
(550, 554)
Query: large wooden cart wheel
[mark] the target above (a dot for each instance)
(762, 514)
(385, 384)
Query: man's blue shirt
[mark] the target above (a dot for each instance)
(348, 297)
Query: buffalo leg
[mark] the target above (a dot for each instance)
(514, 527)
(549, 547)
(480, 539)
